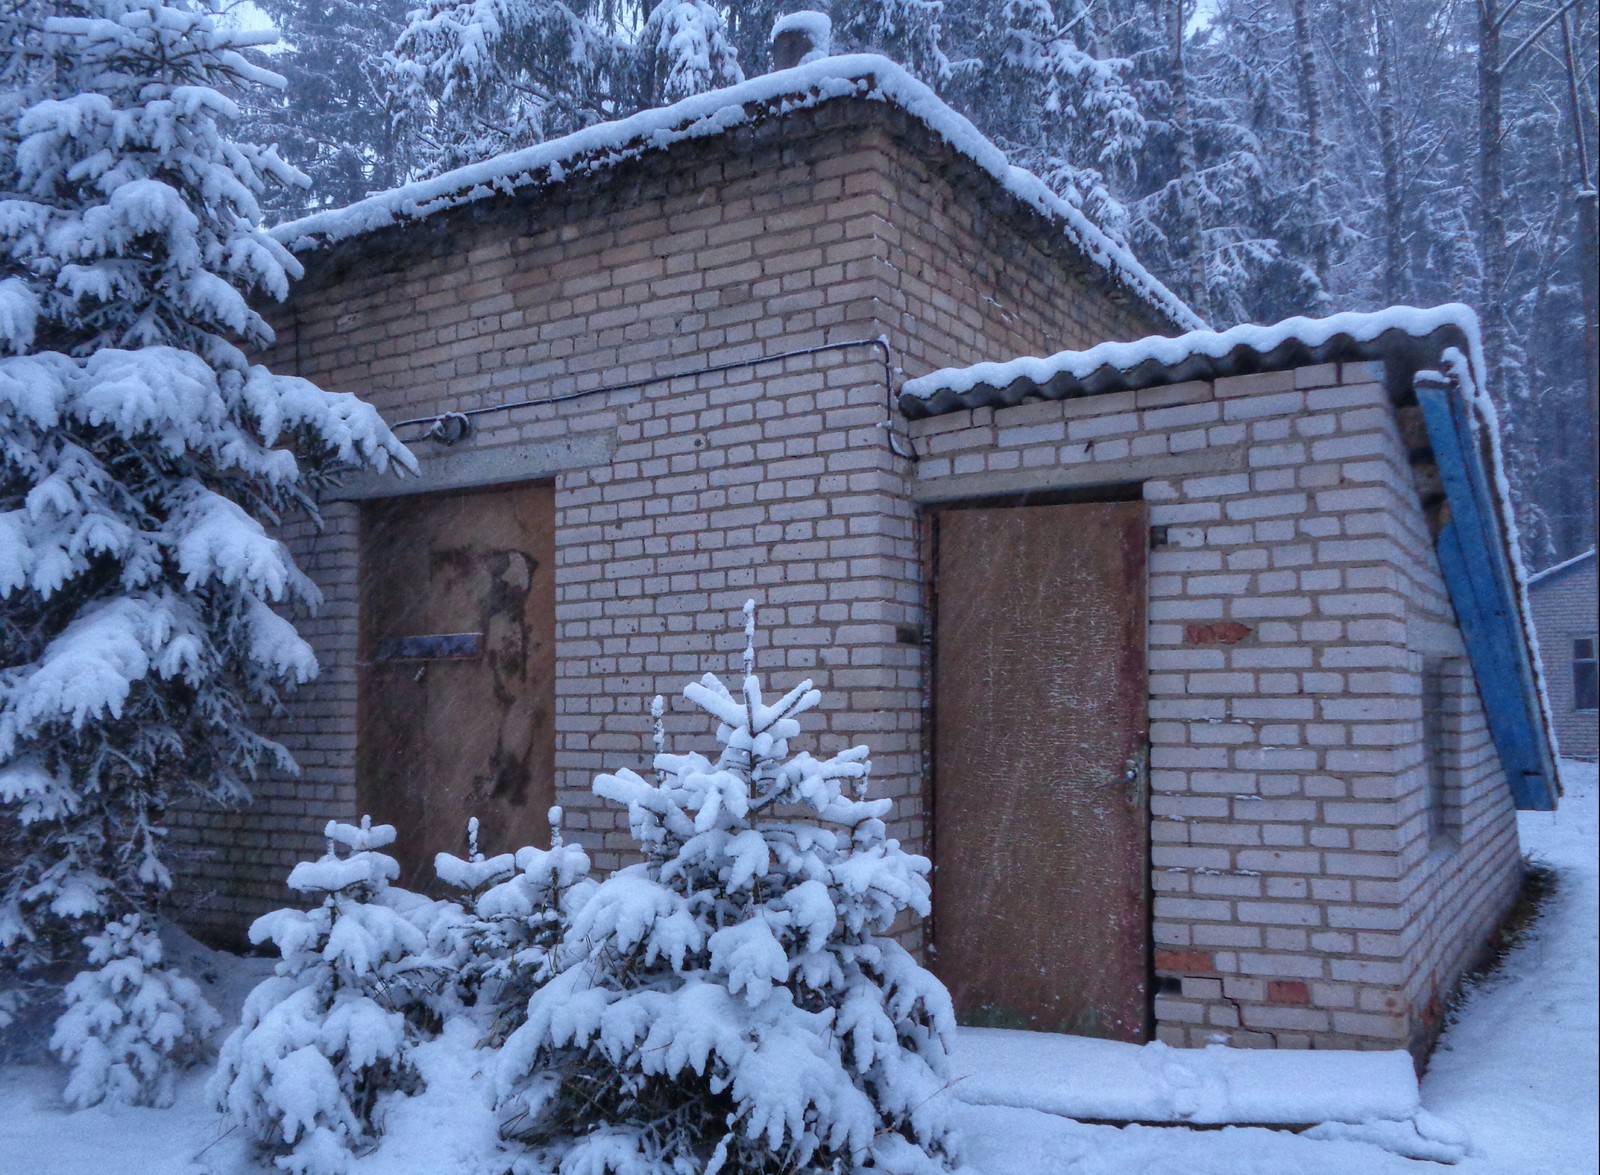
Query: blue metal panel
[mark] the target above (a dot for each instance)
(1478, 576)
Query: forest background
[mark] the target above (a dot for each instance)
(1264, 158)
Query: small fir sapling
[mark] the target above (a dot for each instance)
(130, 1023)
(461, 952)
(504, 949)
(728, 1005)
(530, 914)
(328, 1033)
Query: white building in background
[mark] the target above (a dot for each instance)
(1563, 598)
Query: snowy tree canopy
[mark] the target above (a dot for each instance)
(472, 78)
(684, 50)
(729, 1003)
(144, 456)
(334, 118)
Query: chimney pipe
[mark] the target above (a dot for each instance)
(799, 38)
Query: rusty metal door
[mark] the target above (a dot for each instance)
(456, 711)
(1041, 818)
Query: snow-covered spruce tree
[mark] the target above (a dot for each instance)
(463, 948)
(328, 1033)
(728, 1004)
(130, 1023)
(332, 119)
(140, 455)
(911, 32)
(507, 947)
(469, 79)
(684, 50)
(1058, 106)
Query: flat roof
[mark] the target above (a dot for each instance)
(1560, 568)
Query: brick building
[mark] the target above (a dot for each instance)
(1563, 599)
(1152, 647)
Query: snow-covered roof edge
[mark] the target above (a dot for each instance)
(608, 144)
(1557, 569)
(1160, 359)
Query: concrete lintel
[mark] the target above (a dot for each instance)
(1225, 459)
(468, 468)
(1434, 638)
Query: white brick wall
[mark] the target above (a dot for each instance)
(1564, 611)
(1296, 899)
(773, 481)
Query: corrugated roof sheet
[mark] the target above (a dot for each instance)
(1410, 337)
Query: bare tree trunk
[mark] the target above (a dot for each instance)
(1491, 191)
(1311, 100)
(1588, 256)
(1396, 281)
(1188, 181)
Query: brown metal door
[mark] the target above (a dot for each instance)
(1041, 823)
(457, 681)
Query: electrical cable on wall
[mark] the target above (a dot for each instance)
(450, 428)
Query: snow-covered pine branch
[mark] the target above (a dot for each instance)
(1060, 107)
(729, 1004)
(474, 78)
(684, 50)
(142, 457)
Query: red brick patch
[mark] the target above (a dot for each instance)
(1287, 991)
(1186, 962)
(1228, 632)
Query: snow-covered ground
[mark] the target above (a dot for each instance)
(1516, 1074)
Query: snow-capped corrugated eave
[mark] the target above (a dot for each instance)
(1400, 333)
(596, 148)
(1560, 569)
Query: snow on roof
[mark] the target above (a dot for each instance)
(599, 147)
(1200, 354)
(1567, 565)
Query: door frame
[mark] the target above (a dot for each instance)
(368, 513)
(928, 549)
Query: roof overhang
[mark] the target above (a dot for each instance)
(1405, 338)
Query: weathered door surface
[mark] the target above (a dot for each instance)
(1041, 824)
(457, 671)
